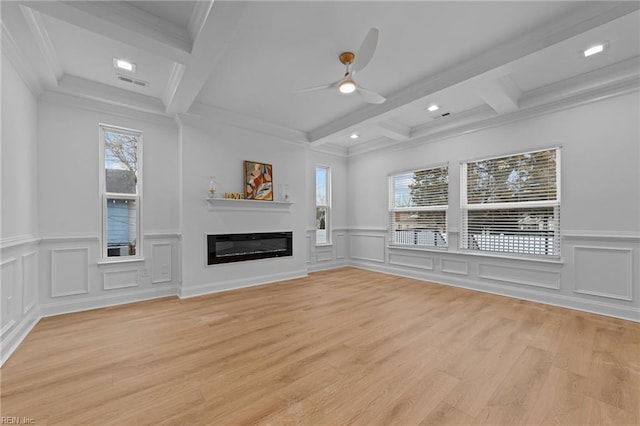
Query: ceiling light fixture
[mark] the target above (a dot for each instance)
(124, 65)
(433, 108)
(347, 86)
(354, 136)
(594, 49)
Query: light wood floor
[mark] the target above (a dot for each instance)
(339, 347)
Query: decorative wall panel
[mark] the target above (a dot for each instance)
(367, 247)
(161, 263)
(535, 277)
(603, 271)
(421, 261)
(29, 282)
(8, 275)
(455, 267)
(120, 279)
(69, 271)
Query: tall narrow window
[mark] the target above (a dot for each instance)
(323, 205)
(511, 204)
(121, 187)
(418, 204)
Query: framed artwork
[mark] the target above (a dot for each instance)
(258, 181)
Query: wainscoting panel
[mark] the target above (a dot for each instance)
(113, 280)
(324, 254)
(161, 263)
(603, 271)
(457, 267)
(69, 271)
(29, 281)
(367, 247)
(537, 277)
(412, 260)
(341, 246)
(9, 277)
(310, 246)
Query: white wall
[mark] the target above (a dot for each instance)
(71, 277)
(600, 209)
(336, 253)
(19, 209)
(208, 149)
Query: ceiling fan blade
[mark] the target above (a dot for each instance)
(370, 96)
(366, 50)
(314, 88)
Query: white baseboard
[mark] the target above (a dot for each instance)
(556, 299)
(187, 291)
(85, 304)
(324, 266)
(10, 343)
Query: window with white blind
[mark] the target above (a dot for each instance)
(511, 204)
(418, 202)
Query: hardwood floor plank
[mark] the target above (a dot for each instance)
(345, 346)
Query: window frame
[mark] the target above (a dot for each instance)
(392, 209)
(327, 205)
(104, 195)
(466, 207)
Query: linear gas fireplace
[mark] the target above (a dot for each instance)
(227, 248)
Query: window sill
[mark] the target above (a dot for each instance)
(118, 261)
(418, 248)
(555, 260)
(324, 244)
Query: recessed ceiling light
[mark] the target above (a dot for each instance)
(433, 107)
(354, 136)
(124, 65)
(594, 49)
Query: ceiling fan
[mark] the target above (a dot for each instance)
(354, 64)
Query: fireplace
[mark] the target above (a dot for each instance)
(225, 248)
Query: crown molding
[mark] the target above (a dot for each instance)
(331, 149)
(475, 122)
(199, 16)
(14, 54)
(72, 100)
(204, 115)
(42, 39)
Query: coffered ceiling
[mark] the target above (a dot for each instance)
(242, 63)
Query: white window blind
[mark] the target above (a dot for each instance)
(418, 205)
(511, 204)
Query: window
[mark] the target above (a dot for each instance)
(418, 205)
(512, 204)
(121, 185)
(323, 204)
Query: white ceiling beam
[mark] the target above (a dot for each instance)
(590, 16)
(501, 94)
(209, 46)
(394, 130)
(19, 36)
(92, 90)
(14, 53)
(42, 39)
(121, 22)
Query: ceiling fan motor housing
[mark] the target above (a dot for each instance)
(347, 58)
